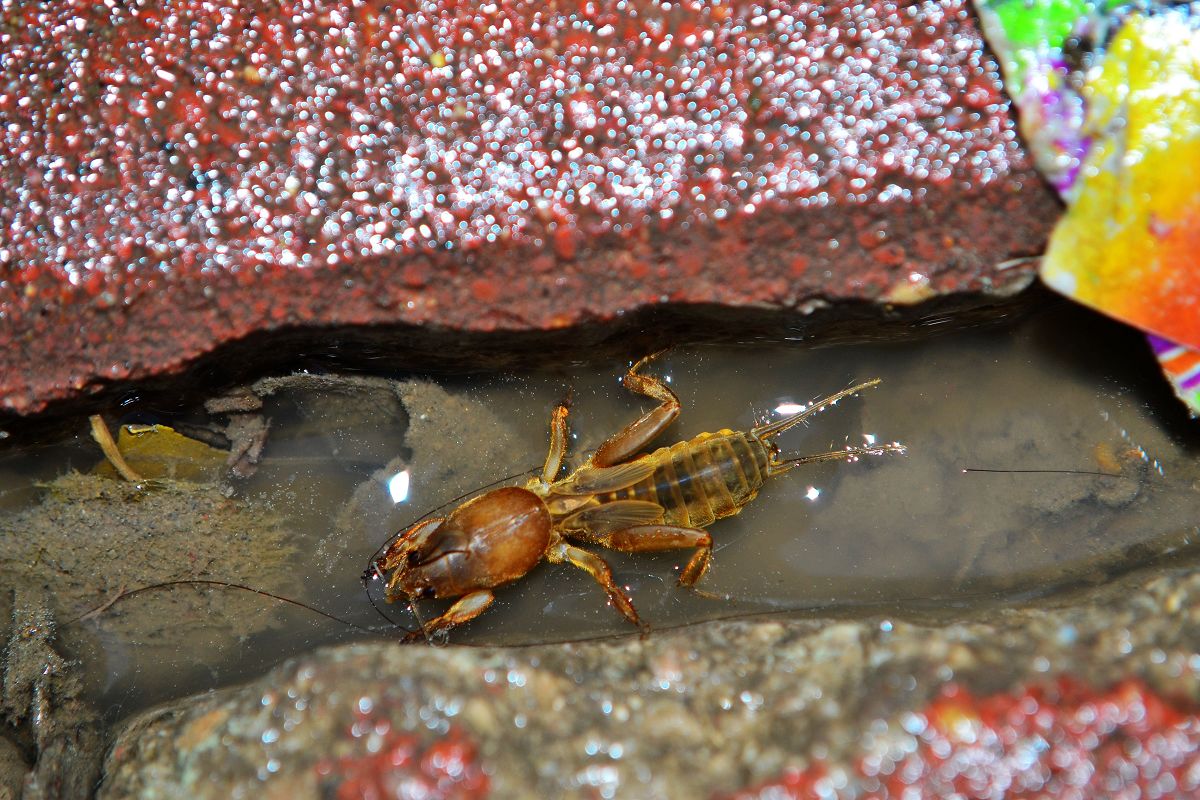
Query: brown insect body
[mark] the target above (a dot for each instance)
(662, 500)
(701, 480)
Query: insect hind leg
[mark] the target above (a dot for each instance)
(637, 434)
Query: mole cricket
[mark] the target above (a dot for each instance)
(618, 499)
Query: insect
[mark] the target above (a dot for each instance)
(658, 501)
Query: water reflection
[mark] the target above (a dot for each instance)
(398, 486)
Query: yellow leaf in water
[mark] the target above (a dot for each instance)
(158, 451)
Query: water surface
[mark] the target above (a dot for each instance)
(1048, 394)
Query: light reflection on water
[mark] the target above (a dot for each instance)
(884, 534)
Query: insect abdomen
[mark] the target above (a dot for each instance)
(703, 479)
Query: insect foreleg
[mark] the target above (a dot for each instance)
(600, 571)
(464, 609)
(637, 434)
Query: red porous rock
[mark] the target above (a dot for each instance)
(1060, 742)
(177, 175)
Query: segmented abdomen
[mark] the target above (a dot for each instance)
(703, 479)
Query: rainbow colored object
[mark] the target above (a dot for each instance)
(1130, 242)
(1110, 106)
(1034, 40)
(1182, 366)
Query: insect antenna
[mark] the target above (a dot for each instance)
(123, 595)
(1143, 482)
(1049, 472)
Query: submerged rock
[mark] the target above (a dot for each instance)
(92, 545)
(12, 770)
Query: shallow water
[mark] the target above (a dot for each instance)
(891, 535)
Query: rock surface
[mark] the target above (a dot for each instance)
(12, 770)
(704, 709)
(179, 175)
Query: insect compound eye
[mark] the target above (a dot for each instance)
(373, 572)
(424, 593)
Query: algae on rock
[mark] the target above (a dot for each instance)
(92, 539)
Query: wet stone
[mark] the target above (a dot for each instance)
(42, 699)
(12, 770)
(229, 169)
(682, 713)
(456, 439)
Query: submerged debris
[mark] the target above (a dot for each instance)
(112, 452)
(153, 452)
(458, 441)
(246, 429)
(12, 770)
